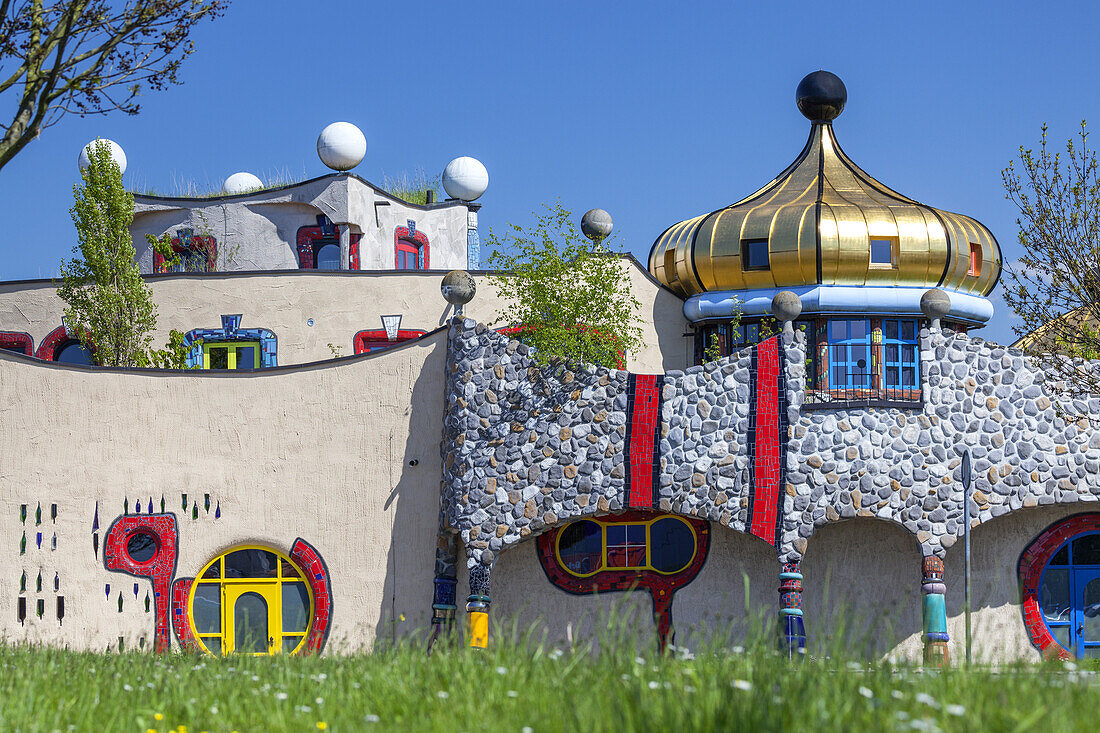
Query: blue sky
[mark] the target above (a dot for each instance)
(653, 111)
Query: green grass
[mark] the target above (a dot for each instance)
(510, 687)
(413, 188)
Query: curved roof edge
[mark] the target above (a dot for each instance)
(151, 198)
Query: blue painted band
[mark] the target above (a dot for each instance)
(937, 636)
(790, 612)
(790, 576)
(866, 300)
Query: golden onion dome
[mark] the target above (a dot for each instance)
(824, 221)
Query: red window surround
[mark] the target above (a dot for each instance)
(366, 341)
(186, 241)
(660, 586)
(324, 229)
(14, 340)
(415, 243)
(1033, 560)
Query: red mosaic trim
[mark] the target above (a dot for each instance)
(661, 587)
(1033, 560)
(17, 340)
(418, 236)
(767, 469)
(181, 619)
(645, 419)
(188, 243)
(364, 340)
(317, 575)
(353, 252)
(47, 348)
(306, 237)
(160, 569)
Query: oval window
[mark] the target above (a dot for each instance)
(141, 547)
(671, 545)
(580, 547)
(251, 600)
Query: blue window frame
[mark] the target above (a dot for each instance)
(850, 354)
(1069, 595)
(901, 354)
(198, 356)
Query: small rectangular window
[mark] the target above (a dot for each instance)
(231, 355)
(882, 251)
(975, 260)
(754, 254)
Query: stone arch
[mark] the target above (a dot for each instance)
(862, 589)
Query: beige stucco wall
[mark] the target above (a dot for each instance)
(340, 304)
(320, 453)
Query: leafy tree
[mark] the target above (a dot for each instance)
(88, 57)
(110, 308)
(1055, 286)
(572, 302)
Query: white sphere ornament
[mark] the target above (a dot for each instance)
(242, 182)
(117, 155)
(465, 178)
(341, 146)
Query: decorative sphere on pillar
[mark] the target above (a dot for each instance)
(786, 306)
(934, 304)
(465, 178)
(596, 224)
(821, 96)
(241, 182)
(458, 287)
(117, 154)
(341, 146)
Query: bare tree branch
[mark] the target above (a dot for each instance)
(88, 57)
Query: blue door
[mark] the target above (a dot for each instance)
(1086, 613)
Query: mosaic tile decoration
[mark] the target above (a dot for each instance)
(1033, 560)
(160, 569)
(353, 251)
(317, 575)
(231, 331)
(47, 348)
(324, 229)
(370, 339)
(661, 587)
(16, 340)
(187, 241)
(181, 589)
(792, 627)
(415, 235)
(767, 437)
(643, 409)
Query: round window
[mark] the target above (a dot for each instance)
(251, 600)
(671, 545)
(141, 547)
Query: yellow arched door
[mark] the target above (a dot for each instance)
(251, 600)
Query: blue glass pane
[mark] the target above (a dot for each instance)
(881, 251)
(909, 330)
(73, 353)
(250, 624)
(891, 353)
(207, 608)
(251, 563)
(909, 353)
(246, 357)
(1061, 557)
(908, 377)
(890, 329)
(672, 545)
(616, 534)
(838, 330)
(858, 329)
(327, 257)
(295, 607)
(1086, 550)
(891, 376)
(635, 534)
(581, 547)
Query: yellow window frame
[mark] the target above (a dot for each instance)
(648, 545)
(231, 356)
(895, 245)
(269, 588)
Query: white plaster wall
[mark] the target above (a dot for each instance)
(862, 590)
(340, 304)
(320, 453)
(258, 231)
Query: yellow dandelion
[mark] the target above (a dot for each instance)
(158, 716)
(150, 730)
(321, 725)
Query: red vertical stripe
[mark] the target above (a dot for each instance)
(643, 429)
(766, 468)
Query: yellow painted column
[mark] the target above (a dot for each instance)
(477, 608)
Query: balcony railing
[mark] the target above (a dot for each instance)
(862, 388)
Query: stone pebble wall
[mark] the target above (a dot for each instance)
(527, 447)
(905, 465)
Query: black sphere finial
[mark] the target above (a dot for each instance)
(821, 96)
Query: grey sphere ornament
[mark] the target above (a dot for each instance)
(458, 287)
(596, 224)
(786, 306)
(821, 96)
(934, 304)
